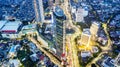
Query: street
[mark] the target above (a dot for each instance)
(104, 49)
(73, 60)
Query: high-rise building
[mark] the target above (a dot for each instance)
(95, 28)
(39, 11)
(85, 37)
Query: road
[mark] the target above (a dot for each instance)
(51, 56)
(69, 53)
(73, 60)
(106, 48)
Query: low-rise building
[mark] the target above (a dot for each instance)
(14, 63)
(108, 62)
(102, 37)
(95, 49)
(102, 40)
(86, 54)
(85, 37)
(113, 34)
(33, 48)
(29, 29)
(80, 14)
(11, 29)
(34, 57)
(73, 9)
(118, 33)
(12, 52)
(117, 61)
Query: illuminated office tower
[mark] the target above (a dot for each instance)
(94, 28)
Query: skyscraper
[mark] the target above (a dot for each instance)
(39, 11)
(94, 28)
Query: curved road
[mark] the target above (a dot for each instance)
(51, 56)
(104, 49)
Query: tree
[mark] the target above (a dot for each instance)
(93, 65)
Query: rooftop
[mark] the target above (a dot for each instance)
(2, 23)
(58, 11)
(96, 23)
(11, 26)
(82, 12)
(109, 62)
(86, 31)
(12, 49)
(15, 62)
(30, 26)
(85, 54)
